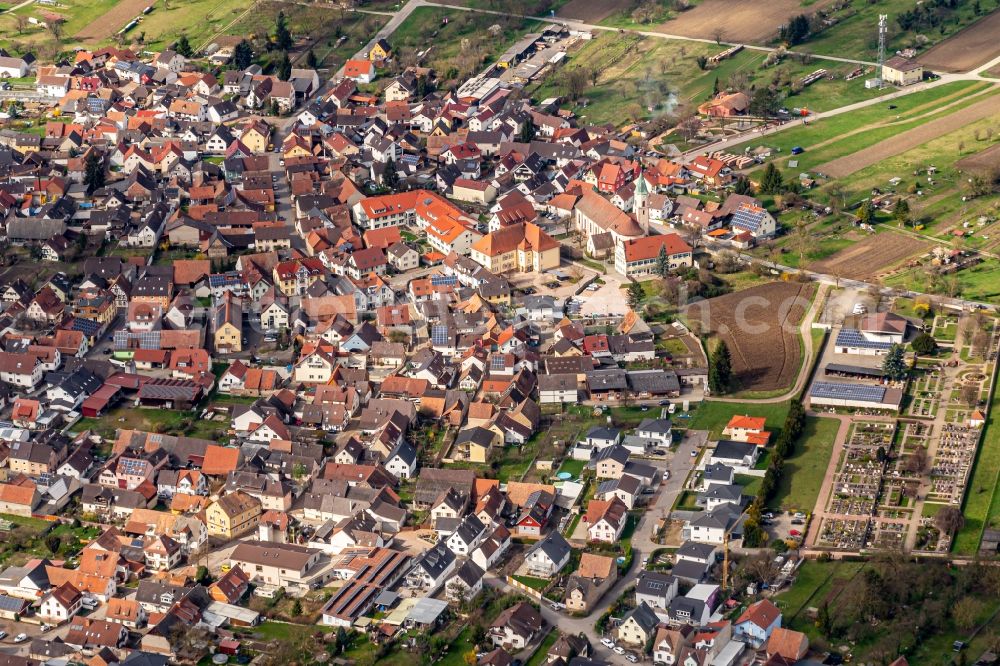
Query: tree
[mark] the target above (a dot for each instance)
(949, 520)
(765, 102)
(527, 132)
(894, 365)
(866, 214)
(743, 186)
(183, 47)
(21, 21)
(311, 59)
(243, 55)
(390, 177)
(718, 35)
(576, 83)
(771, 182)
(282, 37)
(296, 608)
(969, 394)
(635, 294)
(55, 26)
(93, 176)
(702, 62)
(720, 369)
(796, 30)
(284, 67)
(663, 262)
(901, 212)
(924, 344)
(916, 462)
(52, 542)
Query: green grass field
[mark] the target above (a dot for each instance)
(813, 581)
(855, 33)
(804, 470)
(713, 416)
(982, 497)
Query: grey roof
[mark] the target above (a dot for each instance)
(600, 432)
(140, 658)
(469, 573)
(405, 451)
(618, 453)
(722, 517)
(727, 448)
(662, 426)
(690, 570)
(718, 472)
(470, 528)
(644, 616)
(726, 492)
(476, 434)
(695, 550)
(436, 560)
(554, 546)
(654, 583)
(694, 607)
(653, 381)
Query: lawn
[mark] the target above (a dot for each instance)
(982, 497)
(574, 467)
(541, 654)
(803, 472)
(170, 422)
(751, 484)
(813, 582)
(538, 584)
(713, 416)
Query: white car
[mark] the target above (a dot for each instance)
(860, 308)
(618, 649)
(20, 638)
(607, 642)
(694, 454)
(632, 658)
(3, 635)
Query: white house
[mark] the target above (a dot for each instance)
(547, 557)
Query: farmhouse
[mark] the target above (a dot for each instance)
(900, 71)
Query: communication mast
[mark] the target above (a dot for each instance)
(879, 81)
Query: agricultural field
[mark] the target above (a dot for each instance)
(760, 326)
(855, 32)
(736, 21)
(967, 49)
(458, 43)
(904, 141)
(646, 76)
(868, 258)
(594, 12)
(333, 35)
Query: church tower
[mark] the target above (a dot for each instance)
(640, 203)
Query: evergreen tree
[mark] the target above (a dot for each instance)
(282, 37)
(715, 87)
(527, 132)
(771, 182)
(93, 176)
(743, 186)
(894, 365)
(183, 47)
(390, 177)
(284, 67)
(924, 344)
(901, 211)
(663, 262)
(720, 369)
(866, 214)
(311, 60)
(243, 55)
(635, 294)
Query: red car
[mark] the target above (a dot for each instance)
(794, 532)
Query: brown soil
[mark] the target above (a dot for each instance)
(113, 20)
(589, 11)
(845, 166)
(984, 160)
(871, 257)
(760, 327)
(968, 48)
(745, 21)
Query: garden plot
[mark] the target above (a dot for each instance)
(926, 390)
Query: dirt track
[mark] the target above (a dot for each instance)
(845, 166)
(968, 48)
(589, 11)
(749, 21)
(113, 20)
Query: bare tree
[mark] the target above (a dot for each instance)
(21, 20)
(970, 394)
(949, 520)
(916, 462)
(576, 83)
(55, 26)
(718, 35)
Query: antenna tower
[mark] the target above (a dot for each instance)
(882, 21)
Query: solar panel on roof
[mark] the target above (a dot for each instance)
(444, 280)
(852, 337)
(859, 392)
(748, 219)
(497, 363)
(439, 335)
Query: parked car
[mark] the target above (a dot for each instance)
(632, 658)
(3, 635)
(20, 638)
(607, 642)
(618, 649)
